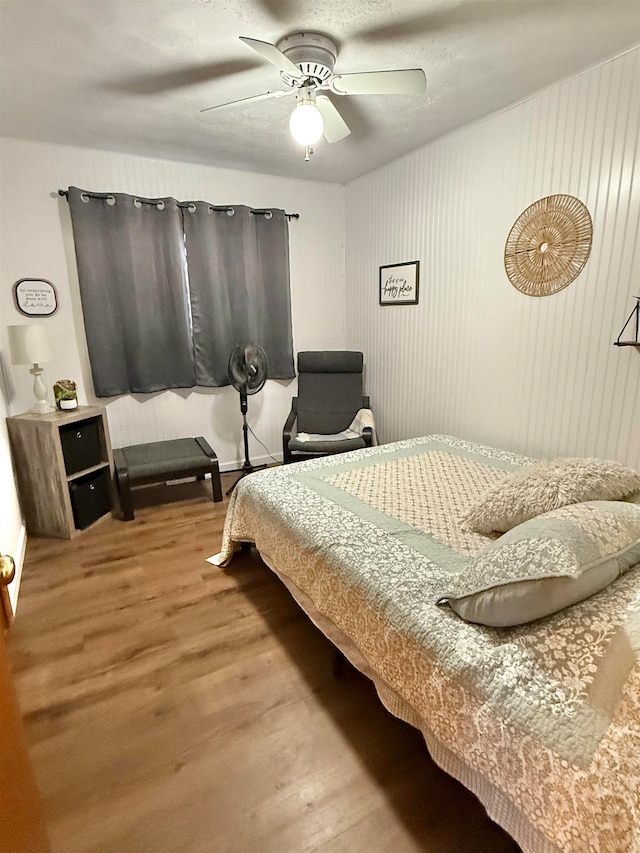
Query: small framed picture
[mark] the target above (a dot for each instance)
(35, 297)
(399, 283)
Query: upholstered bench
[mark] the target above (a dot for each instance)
(161, 461)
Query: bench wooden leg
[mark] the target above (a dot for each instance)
(216, 484)
(124, 485)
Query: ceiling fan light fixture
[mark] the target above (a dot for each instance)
(306, 124)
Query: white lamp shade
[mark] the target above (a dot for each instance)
(29, 344)
(306, 123)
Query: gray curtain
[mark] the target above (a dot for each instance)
(239, 283)
(271, 292)
(169, 288)
(133, 286)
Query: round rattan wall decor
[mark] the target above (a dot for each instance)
(548, 245)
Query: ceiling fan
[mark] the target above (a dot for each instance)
(306, 63)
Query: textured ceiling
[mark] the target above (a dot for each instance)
(133, 75)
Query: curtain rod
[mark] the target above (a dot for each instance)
(257, 212)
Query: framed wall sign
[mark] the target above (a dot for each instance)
(399, 283)
(35, 297)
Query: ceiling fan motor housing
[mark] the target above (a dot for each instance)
(314, 54)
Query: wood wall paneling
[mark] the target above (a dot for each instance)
(476, 358)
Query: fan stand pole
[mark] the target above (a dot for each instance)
(247, 468)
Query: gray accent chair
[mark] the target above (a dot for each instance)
(329, 397)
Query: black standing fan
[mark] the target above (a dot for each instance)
(248, 373)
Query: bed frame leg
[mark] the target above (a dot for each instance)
(338, 663)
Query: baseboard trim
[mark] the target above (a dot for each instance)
(265, 459)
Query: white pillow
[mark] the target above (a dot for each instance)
(548, 563)
(548, 485)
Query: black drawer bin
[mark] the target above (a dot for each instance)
(90, 498)
(81, 446)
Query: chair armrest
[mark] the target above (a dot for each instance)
(367, 432)
(288, 429)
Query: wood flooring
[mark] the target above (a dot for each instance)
(174, 707)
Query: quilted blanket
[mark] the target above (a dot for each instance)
(541, 721)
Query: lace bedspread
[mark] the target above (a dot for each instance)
(541, 721)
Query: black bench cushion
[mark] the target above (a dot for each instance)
(180, 455)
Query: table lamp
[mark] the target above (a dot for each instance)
(30, 345)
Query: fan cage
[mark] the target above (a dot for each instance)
(244, 357)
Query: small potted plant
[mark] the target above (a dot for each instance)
(65, 394)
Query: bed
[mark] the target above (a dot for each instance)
(542, 720)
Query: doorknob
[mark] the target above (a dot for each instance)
(7, 569)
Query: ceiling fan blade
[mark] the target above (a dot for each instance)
(180, 77)
(408, 81)
(271, 53)
(278, 9)
(426, 23)
(457, 13)
(276, 94)
(335, 127)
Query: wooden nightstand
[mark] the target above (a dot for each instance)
(64, 467)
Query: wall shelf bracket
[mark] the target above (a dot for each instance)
(634, 319)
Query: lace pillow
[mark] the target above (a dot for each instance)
(548, 485)
(548, 563)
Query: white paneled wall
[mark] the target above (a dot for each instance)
(37, 242)
(475, 357)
